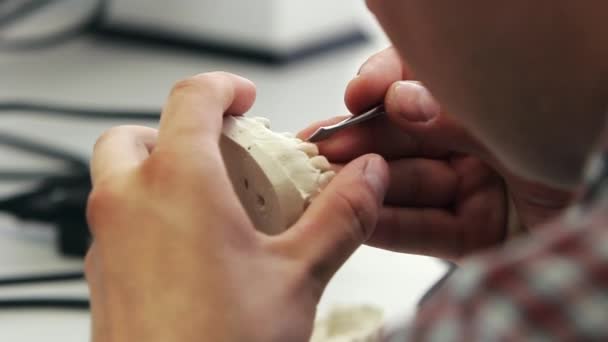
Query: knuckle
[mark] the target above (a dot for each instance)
(194, 85)
(101, 204)
(167, 175)
(109, 135)
(207, 82)
(131, 133)
(216, 89)
(160, 170)
(215, 76)
(186, 85)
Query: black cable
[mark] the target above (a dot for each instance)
(53, 200)
(59, 110)
(53, 183)
(59, 199)
(44, 303)
(42, 278)
(26, 175)
(80, 112)
(26, 145)
(24, 10)
(67, 203)
(41, 302)
(88, 24)
(23, 144)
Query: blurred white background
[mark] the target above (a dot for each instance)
(90, 72)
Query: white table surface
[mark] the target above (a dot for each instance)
(92, 73)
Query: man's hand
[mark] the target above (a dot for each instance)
(449, 195)
(175, 257)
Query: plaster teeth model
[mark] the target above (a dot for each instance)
(275, 175)
(350, 324)
(309, 148)
(320, 163)
(263, 121)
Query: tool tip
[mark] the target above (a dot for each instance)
(317, 136)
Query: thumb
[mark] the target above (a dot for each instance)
(412, 107)
(411, 101)
(342, 217)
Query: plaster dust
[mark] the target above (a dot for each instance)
(350, 324)
(275, 175)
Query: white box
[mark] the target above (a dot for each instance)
(279, 29)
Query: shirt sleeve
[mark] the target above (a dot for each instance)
(551, 286)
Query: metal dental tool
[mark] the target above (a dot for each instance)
(327, 131)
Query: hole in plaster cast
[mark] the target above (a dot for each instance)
(261, 201)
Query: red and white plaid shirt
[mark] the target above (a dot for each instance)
(550, 285)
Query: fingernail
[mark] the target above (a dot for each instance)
(374, 176)
(365, 68)
(414, 101)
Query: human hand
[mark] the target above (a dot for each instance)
(449, 195)
(175, 257)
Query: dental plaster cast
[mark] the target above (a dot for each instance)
(275, 175)
(350, 324)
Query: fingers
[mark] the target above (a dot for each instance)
(475, 223)
(341, 218)
(187, 157)
(411, 101)
(359, 140)
(412, 108)
(120, 149)
(419, 182)
(194, 111)
(422, 182)
(379, 136)
(385, 79)
(424, 231)
(374, 79)
(414, 127)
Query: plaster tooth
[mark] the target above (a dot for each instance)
(326, 178)
(321, 163)
(263, 121)
(309, 148)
